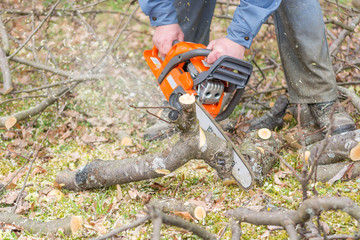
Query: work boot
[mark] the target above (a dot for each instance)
(341, 120)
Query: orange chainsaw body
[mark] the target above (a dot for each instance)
(177, 76)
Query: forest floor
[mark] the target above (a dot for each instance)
(99, 122)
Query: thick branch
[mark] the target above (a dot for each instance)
(291, 218)
(5, 69)
(337, 149)
(193, 144)
(67, 225)
(355, 99)
(4, 37)
(37, 109)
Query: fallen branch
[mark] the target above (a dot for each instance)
(194, 143)
(355, 100)
(38, 108)
(338, 148)
(290, 219)
(173, 206)
(4, 37)
(68, 225)
(134, 224)
(68, 74)
(5, 70)
(345, 32)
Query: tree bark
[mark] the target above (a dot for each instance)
(291, 218)
(194, 143)
(337, 149)
(5, 69)
(67, 225)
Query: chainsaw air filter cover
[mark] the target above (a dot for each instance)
(184, 70)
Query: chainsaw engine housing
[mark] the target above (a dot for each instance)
(184, 70)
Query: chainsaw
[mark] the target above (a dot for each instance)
(218, 89)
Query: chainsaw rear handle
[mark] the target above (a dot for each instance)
(181, 58)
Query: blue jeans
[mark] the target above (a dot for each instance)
(301, 39)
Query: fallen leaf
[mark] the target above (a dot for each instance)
(9, 135)
(348, 172)
(187, 216)
(133, 193)
(340, 174)
(126, 142)
(71, 113)
(55, 195)
(74, 156)
(119, 194)
(158, 186)
(37, 170)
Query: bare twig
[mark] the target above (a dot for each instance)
(119, 33)
(39, 108)
(68, 74)
(134, 224)
(35, 157)
(36, 29)
(336, 44)
(21, 98)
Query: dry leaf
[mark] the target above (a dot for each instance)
(74, 156)
(55, 195)
(133, 193)
(10, 122)
(126, 142)
(37, 170)
(187, 216)
(340, 174)
(119, 194)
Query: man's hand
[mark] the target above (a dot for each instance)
(165, 35)
(224, 46)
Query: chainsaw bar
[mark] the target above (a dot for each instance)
(241, 171)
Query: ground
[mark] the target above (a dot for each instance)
(99, 122)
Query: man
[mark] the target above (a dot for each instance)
(301, 39)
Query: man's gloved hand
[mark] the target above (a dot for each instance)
(164, 37)
(224, 46)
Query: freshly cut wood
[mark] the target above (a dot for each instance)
(171, 205)
(215, 152)
(199, 213)
(10, 122)
(355, 153)
(68, 225)
(337, 148)
(264, 133)
(257, 152)
(307, 155)
(187, 99)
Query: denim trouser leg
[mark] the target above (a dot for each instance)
(304, 51)
(195, 17)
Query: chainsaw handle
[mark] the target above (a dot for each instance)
(182, 58)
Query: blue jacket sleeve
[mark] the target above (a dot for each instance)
(160, 12)
(248, 18)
